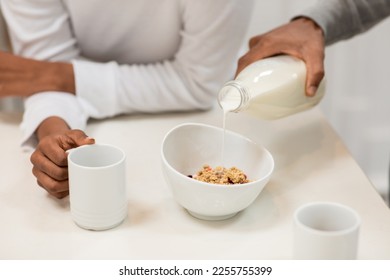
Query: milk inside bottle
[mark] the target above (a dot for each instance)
(270, 88)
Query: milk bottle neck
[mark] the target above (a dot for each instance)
(233, 97)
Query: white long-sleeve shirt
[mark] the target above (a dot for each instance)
(128, 56)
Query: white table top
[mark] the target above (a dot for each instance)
(312, 164)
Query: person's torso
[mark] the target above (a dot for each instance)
(130, 31)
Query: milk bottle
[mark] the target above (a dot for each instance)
(270, 88)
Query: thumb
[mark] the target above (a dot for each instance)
(75, 138)
(315, 74)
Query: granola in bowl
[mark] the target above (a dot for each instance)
(220, 175)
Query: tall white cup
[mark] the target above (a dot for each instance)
(97, 186)
(325, 230)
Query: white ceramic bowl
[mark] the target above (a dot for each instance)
(187, 147)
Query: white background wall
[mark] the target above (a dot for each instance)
(357, 101)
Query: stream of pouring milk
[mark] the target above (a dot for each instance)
(228, 104)
(225, 112)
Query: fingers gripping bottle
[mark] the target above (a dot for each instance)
(270, 88)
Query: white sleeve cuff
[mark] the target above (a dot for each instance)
(95, 88)
(40, 106)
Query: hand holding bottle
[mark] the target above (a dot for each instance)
(301, 38)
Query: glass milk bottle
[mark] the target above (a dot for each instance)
(270, 88)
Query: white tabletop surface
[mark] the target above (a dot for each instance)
(312, 164)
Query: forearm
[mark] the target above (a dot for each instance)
(24, 77)
(55, 76)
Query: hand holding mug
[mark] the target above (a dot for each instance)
(50, 164)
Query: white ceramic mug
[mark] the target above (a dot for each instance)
(325, 230)
(97, 186)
